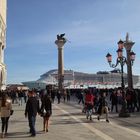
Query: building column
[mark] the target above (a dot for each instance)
(3, 72)
(0, 52)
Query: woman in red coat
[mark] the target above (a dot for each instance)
(89, 103)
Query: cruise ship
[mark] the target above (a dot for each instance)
(75, 79)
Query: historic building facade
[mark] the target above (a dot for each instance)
(3, 13)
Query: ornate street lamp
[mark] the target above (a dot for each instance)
(109, 58)
(120, 44)
(132, 57)
(122, 60)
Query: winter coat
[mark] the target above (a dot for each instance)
(5, 110)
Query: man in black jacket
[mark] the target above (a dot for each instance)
(103, 107)
(32, 107)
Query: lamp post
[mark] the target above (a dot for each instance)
(122, 60)
(60, 44)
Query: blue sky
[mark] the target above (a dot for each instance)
(93, 28)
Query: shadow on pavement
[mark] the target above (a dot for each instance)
(73, 114)
(18, 135)
(68, 122)
(21, 135)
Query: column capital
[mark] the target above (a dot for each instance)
(60, 43)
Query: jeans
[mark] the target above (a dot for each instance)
(89, 110)
(89, 113)
(32, 120)
(4, 123)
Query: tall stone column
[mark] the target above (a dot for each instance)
(60, 44)
(128, 46)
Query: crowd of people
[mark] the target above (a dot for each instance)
(36, 103)
(102, 101)
(98, 101)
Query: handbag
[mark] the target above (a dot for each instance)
(11, 112)
(43, 113)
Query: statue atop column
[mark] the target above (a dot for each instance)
(61, 37)
(61, 40)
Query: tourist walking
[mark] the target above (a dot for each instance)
(81, 97)
(46, 111)
(68, 95)
(103, 106)
(114, 100)
(32, 107)
(53, 93)
(5, 107)
(134, 101)
(89, 103)
(129, 100)
(64, 95)
(58, 96)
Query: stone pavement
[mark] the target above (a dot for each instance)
(68, 123)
